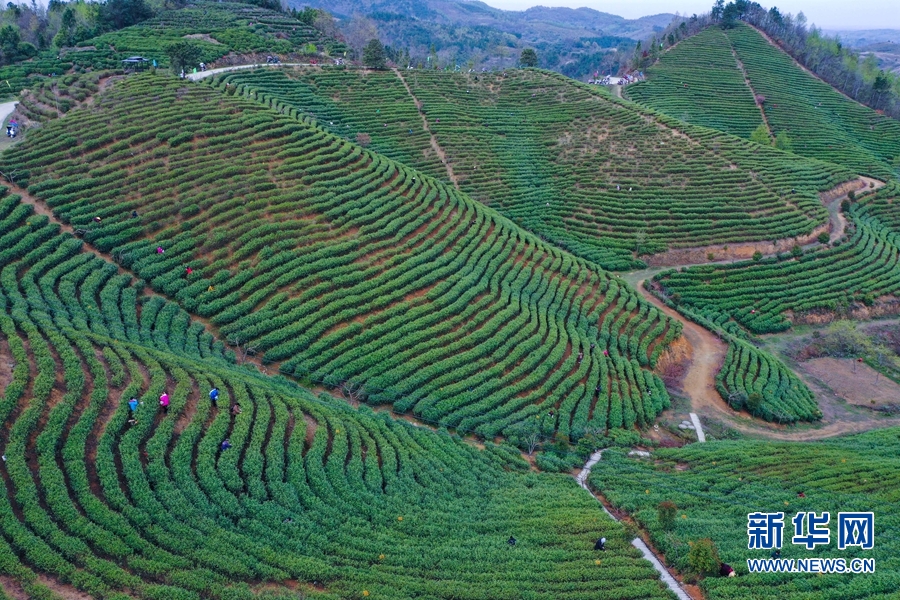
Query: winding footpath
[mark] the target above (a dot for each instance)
(637, 542)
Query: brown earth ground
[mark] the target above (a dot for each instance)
(855, 382)
(707, 353)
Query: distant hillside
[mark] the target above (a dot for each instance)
(219, 30)
(732, 79)
(574, 41)
(859, 38)
(883, 44)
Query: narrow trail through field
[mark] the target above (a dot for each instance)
(637, 542)
(740, 66)
(708, 351)
(801, 65)
(434, 143)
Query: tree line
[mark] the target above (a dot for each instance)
(826, 56)
(27, 29)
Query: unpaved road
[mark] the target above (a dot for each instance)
(708, 355)
(699, 385)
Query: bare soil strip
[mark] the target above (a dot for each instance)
(740, 66)
(434, 143)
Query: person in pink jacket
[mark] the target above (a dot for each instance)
(164, 402)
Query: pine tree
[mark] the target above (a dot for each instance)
(373, 55)
(528, 58)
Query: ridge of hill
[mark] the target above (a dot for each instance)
(312, 496)
(342, 266)
(221, 31)
(699, 81)
(574, 41)
(595, 175)
(535, 25)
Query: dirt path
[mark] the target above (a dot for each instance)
(740, 66)
(434, 143)
(708, 355)
(699, 385)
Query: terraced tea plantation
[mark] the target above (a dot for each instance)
(765, 296)
(716, 485)
(431, 247)
(821, 122)
(589, 173)
(371, 107)
(340, 266)
(308, 496)
(700, 81)
(217, 28)
(53, 97)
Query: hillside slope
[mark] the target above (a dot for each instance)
(342, 266)
(600, 177)
(716, 485)
(766, 296)
(312, 497)
(222, 31)
(697, 81)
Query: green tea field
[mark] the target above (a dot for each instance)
(599, 177)
(401, 288)
(348, 328)
(727, 79)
